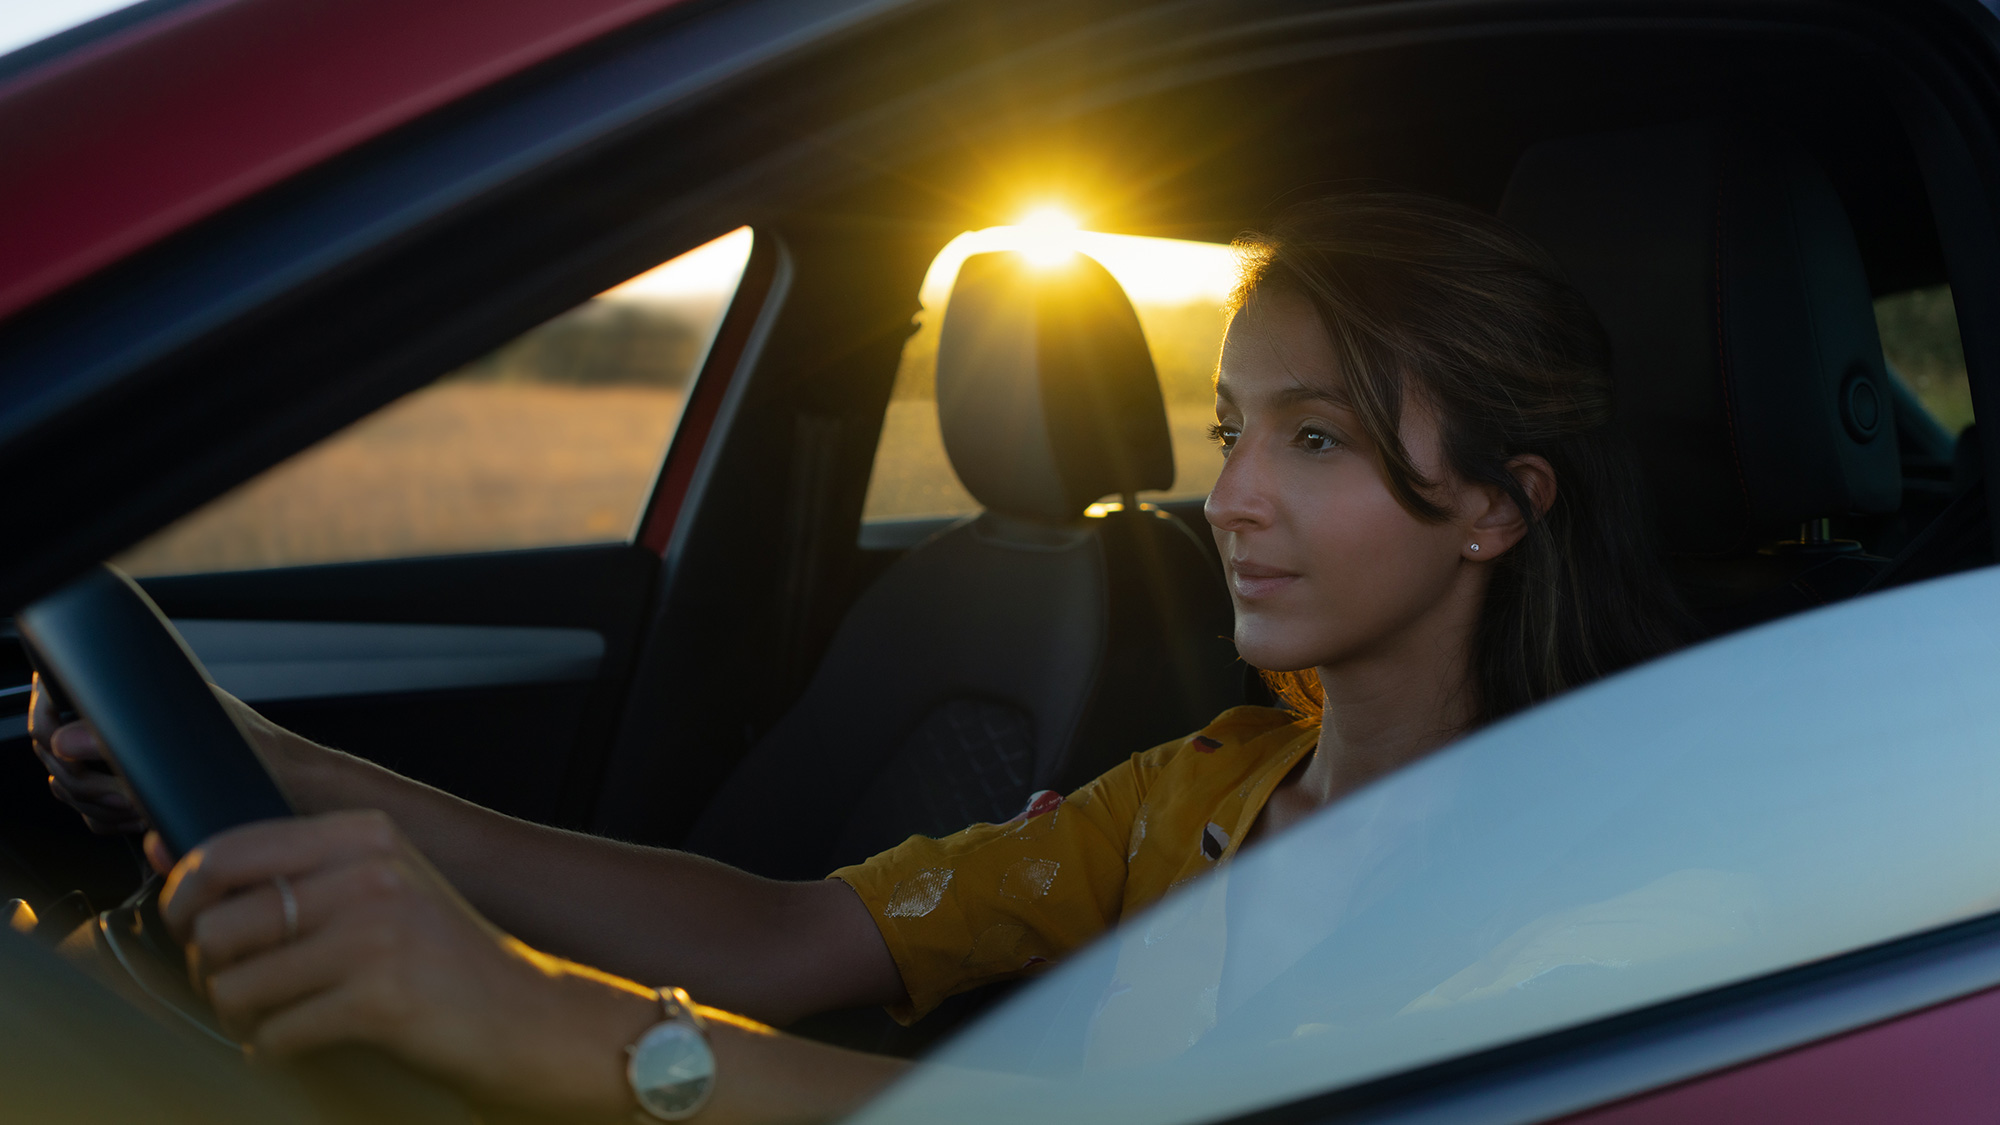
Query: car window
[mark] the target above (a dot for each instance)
(1178, 288)
(25, 22)
(555, 438)
(1771, 798)
(1919, 330)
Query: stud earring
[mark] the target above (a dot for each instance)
(1475, 548)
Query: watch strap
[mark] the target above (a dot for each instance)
(676, 1004)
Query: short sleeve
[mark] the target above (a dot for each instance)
(996, 900)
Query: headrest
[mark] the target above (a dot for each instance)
(1046, 392)
(1745, 364)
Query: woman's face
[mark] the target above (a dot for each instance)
(1324, 565)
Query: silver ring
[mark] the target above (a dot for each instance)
(290, 903)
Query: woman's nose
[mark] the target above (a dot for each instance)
(1240, 500)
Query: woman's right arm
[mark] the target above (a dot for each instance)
(772, 950)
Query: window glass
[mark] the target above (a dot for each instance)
(555, 438)
(1920, 340)
(1178, 289)
(1768, 799)
(23, 22)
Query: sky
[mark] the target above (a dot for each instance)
(708, 270)
(24, 21)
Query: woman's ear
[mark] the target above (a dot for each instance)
(1497, 524)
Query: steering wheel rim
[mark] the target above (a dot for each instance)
(193, 773)
(189, 766)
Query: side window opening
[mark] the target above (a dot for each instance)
(1919, 330)
(552, 439)
(1178, 289)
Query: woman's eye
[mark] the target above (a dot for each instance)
(1316, 440)
(1224, 435)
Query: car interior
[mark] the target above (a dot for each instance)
(755, 676)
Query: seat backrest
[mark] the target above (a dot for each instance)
(1746, 366)
(1027, 647)
(1746, 369)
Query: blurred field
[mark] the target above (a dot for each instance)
(555, 438)
(1920, 339)
(461, 466)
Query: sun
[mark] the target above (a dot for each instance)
(1047, 236)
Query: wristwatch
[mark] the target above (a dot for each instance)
(670, 1068)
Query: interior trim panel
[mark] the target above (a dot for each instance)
(262, 661)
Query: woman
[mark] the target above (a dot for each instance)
(1426, 525)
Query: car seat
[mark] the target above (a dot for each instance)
(1027, 647)
(1747, 372)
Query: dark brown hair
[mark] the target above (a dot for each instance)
(1423, 297)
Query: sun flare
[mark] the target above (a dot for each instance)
(1154, 271)
(1047, 236)
(1048, 219)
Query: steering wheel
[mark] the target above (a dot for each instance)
(119, 659)
(104, 645)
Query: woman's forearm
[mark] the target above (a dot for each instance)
(772, 950)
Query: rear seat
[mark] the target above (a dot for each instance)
(1748, 374)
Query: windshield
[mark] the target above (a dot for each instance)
(1782, 795)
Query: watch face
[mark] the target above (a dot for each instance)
(671, 1070)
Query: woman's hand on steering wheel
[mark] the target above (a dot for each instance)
(331, 929)
(79, 772)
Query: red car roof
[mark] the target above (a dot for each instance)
(139, 134)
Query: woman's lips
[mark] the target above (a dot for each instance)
(1254, 580)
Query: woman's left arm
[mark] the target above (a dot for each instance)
(375, 947)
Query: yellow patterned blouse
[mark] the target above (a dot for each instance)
(998, 900)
